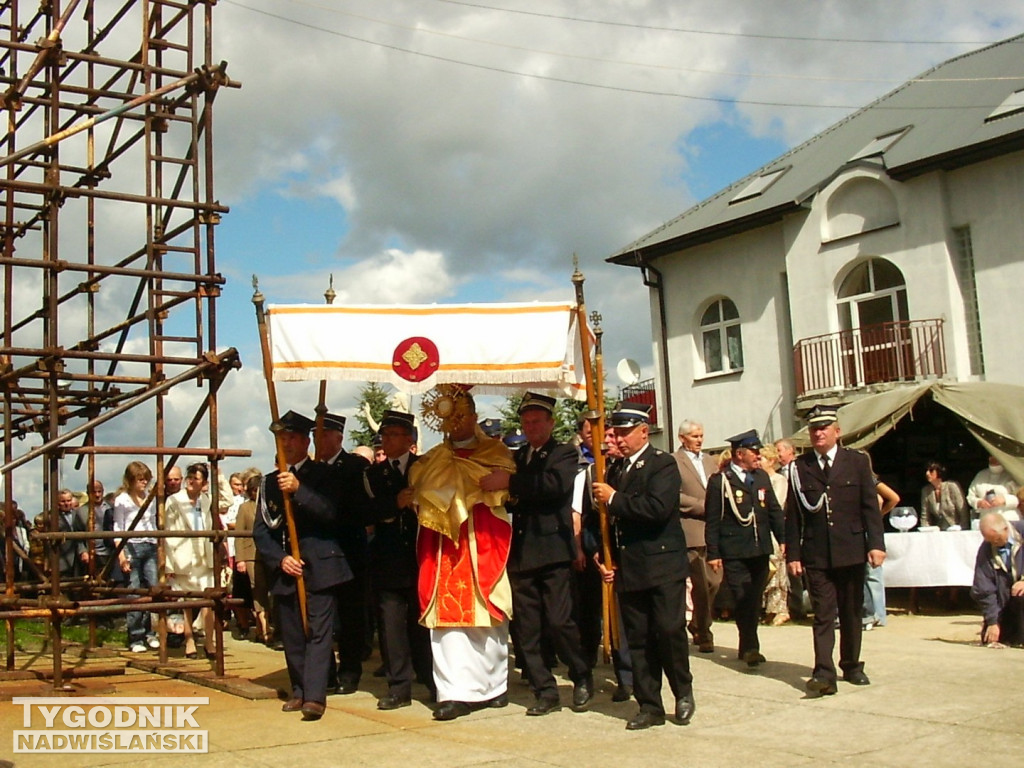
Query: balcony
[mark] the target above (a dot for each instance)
(641, 392)
(875, 354)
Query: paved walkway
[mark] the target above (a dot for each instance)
(936, 700)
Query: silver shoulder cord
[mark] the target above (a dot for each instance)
(273, 523)
(794, 482)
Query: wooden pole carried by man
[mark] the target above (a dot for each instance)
(594, 374)
(282, 464)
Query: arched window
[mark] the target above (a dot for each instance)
(720, 337)
(876, 344)
(873, 293)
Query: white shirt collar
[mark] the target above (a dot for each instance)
(831, 455)
(637, 455)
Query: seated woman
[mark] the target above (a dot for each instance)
(942, 500)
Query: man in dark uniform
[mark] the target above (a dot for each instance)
(742, 515)
(405, 645)
(643, 502)
(543, 549)
(313, 489)
(832, 529)
(352, 609)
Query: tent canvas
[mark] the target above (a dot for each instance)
(993, 413)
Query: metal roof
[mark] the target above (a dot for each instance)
(944, 111)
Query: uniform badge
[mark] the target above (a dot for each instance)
(739, 495)
(639, 464)
(760, 496)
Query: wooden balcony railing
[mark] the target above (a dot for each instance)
(887, 352)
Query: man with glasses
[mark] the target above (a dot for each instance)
(742, 515)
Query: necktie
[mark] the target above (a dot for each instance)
(614, 473)
(750, 482)
(291, 470)
(397, 465)
(825, 465)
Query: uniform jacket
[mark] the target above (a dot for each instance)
(992, 582)
(842, 531)
(691, 496)
(540, 502)
(353, 506)
(727, 537)
(392, 549)
(316, 522)
(651, 548)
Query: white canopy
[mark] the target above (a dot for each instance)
(494, 347)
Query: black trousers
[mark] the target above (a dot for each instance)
(307, 658)
(542, 603)
(351, 628)
(405, 645)
(746, 578)
(1011, 622)
(588, 609)
(655, 621)
(837, 592)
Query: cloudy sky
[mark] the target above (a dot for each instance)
(444, 151)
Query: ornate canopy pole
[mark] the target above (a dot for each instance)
(321, 403)
(282, 463)
(594, 374)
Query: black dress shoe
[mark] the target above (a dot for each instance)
(449, 710)
(544, 705)
(822, 686)
(292, 705)
(582, 693)
(645, 720)
(685, 707)
(856, 678)
(312, 710)
(499, 701)
(393, 702)
(345, 687)
(622, 693)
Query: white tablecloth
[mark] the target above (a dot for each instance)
(932, 559)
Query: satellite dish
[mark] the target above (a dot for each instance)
(628, 371)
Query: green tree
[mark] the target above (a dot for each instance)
(375, 398)
(568, 412)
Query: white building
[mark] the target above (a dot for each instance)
(887, 250)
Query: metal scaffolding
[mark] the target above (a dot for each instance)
(110, 283)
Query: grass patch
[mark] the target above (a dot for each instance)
(34, 634)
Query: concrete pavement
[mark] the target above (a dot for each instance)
(936, 699)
